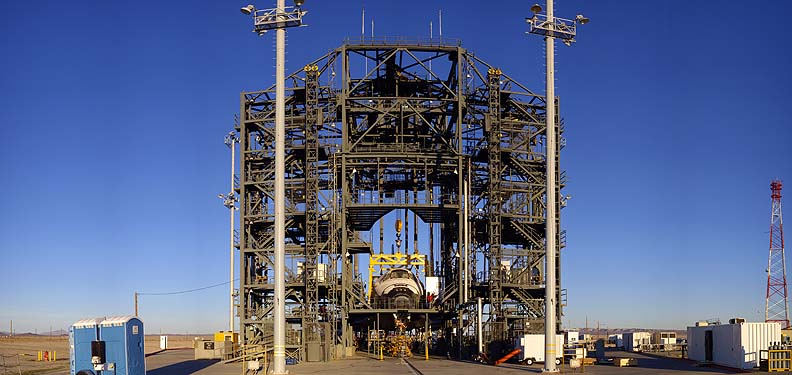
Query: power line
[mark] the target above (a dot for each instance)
(186, 291)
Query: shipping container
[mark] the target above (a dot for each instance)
(664, 338)
(732, 345)
(635, 341)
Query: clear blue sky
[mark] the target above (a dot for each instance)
(111, 156)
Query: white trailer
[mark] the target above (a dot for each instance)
(634, 341)
(732, 345)
(533, 348)
(664, 338)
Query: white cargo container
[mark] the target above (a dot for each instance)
(533, 348)
(664, 338)
(732, 345)
(572, 337)
(633, 341)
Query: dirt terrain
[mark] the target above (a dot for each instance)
(19, 354)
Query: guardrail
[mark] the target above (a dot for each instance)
(404, 41)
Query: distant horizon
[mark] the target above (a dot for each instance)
(61, 332)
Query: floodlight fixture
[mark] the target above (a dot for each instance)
(275, 18)
(582, 19)
(536, 8)
(230, 139)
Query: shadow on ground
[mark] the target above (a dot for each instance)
(671, 364)
(183, 368)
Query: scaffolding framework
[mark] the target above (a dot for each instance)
(379, 125)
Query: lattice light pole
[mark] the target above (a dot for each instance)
(776, 303)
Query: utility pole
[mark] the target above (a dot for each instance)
(264, 20)
(551, 27)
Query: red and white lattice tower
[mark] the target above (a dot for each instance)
(776, 304)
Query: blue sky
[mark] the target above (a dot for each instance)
(113, 115)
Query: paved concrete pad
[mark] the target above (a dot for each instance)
(181, 362)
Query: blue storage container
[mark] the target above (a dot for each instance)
(115, 342)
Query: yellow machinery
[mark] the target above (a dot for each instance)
(385, 262)
(221, 336)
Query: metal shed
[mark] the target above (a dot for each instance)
(732, 345)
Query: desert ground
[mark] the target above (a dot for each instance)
(19, 354)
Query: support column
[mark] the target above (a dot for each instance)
(550, 193)
(279, 345)
(494, 206)
(310, 266)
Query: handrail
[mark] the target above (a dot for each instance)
(403, 40)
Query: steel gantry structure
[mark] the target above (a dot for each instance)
(383, 125)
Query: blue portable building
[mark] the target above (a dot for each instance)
(115, 342)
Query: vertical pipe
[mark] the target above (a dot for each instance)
(464, 258)
(430, 40)
(430, 268)
(345, 281)
(467, 234)
(478, 325)
(379, 339)
(415, 226)
(136, 311)
(231, 277)
(460, 236)
(428, 336)
(406, 225)
(440, 15)
(382, 234)
(550, 191)
(279, 357)
(460, 339)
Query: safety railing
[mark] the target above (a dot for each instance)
(404, 41)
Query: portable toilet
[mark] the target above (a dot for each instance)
(107, 345)
(81, 334)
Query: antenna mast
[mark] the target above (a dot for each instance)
(776, 303)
